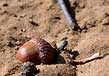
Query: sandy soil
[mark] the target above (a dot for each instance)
(44, 18)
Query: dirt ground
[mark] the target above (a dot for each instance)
(44, 18)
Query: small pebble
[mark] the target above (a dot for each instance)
(28, 69)
(18, 42)
(62, 44)
(23, 30)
